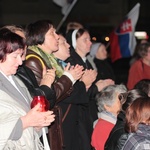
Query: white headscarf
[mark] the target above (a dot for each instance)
(94, 49)
(74, 40)
(91, 55)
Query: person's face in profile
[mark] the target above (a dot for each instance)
(51, 41)
(63, 52)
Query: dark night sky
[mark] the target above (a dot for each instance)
(100, 16)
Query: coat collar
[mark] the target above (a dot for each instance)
(7, 87)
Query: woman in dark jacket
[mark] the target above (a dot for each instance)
(43, 41)
(118, 129)
(80, 43)
(46, 87)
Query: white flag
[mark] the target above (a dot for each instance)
(60, 3)
(65, 4)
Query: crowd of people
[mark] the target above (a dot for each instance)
(88, 110)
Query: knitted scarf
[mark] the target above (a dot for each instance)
(50, 59)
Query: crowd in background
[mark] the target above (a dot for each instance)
(89, 108)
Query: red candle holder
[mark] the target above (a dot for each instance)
(44, 103)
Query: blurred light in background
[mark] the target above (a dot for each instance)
(106, 38)
(94, 39)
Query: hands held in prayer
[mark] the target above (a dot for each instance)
(103, 83)
(88, 77)
(37, 119)
(48, 77)
(76, 71)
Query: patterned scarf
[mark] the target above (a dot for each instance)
(50, 59)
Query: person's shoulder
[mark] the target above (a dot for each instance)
(121, 142)
(140, 138)
(137, 62)
(20, 82)
(137, 65)
(118, 128)
(138, 142)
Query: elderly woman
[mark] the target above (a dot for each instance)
(109, 106)
(19, 124)
(43, 41)
(118, 129)
(140, 69)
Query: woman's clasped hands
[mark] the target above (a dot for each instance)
(37, 119)
(76, 71)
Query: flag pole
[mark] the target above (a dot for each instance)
(66, 14)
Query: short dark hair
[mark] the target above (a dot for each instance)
(35, 32)
(143, 85)
(9, 42)
(131, 96)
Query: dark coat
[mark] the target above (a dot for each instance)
(93, 90)
(28, 78)
(104, 69)
(87, 112)
(116, 132)
(62, 88)
(71, 122)
(63, 85)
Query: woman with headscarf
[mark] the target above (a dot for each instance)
(98, 58)
(80, 43)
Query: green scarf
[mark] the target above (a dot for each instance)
(50, 59)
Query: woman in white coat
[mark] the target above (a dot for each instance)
(19, 124)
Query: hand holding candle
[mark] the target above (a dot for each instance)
(44, 103)
(44, 106)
